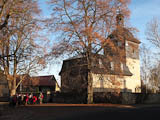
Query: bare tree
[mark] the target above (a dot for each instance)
(4, 14)
(153, 36)
(83, 26)
(154, 79)
(22, 52)
(146, 66)
(153, 32)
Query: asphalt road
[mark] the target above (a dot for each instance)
(81, 112)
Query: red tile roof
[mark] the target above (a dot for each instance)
(43, 80)
(39, 81)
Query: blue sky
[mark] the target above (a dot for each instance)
(142, 11)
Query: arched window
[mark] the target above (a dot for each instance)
(100, 63)
(112, 66)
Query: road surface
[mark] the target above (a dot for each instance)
(81, 112)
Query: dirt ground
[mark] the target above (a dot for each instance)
(79, 112)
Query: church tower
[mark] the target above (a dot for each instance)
(124, 53)
(120, 20)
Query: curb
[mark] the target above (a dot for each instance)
(4, 103)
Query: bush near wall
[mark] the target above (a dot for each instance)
(107, 97)
(69, 97)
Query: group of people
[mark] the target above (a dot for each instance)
(24, 99)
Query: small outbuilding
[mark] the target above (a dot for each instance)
(4, 90)
(39, 84)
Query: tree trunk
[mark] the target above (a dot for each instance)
(90, 78)
(13, 92)
(90, 88)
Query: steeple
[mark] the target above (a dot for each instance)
(120, 20)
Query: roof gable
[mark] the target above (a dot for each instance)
(39, 80)
(125, 34)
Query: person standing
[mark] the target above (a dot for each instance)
(31, 98)
(19, 99)
(41, 98)
(34, 99)
(24, 99)
(27, 99)
(14, 100)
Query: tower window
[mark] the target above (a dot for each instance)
(127, 44)
(112, 66)
(122, 66)
(119, 43)
(100, 63)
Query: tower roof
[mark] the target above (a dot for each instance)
(120, 19)
(125, 33)
(122, 32)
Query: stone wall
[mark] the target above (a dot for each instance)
(140, 98)
(69, 97)
(152, 99)
(107, 97)
(128, 98)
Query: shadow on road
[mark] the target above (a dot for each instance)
(78, 112)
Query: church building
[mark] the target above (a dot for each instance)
(117, 69)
